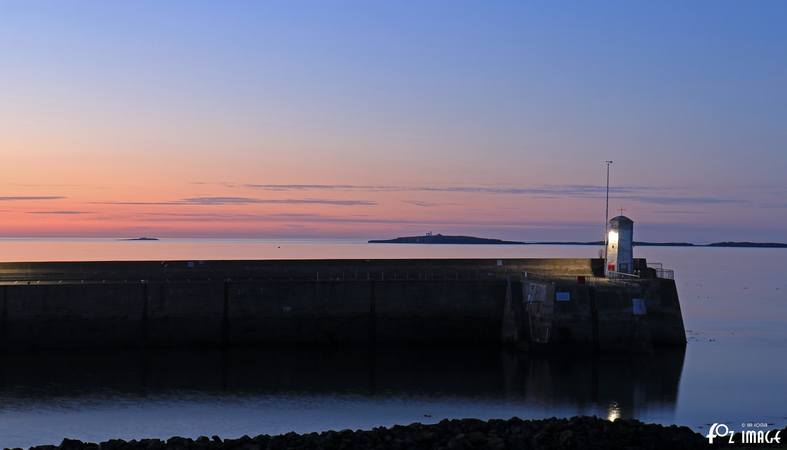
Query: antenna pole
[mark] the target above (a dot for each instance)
(606, 216)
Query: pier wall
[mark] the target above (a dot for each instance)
(237, 303)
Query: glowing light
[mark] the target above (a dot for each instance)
(613, 237)
(613, 412)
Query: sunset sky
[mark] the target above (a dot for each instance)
(384, 118)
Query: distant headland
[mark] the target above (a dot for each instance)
(440, 239)
(430, 238)
(140, 239)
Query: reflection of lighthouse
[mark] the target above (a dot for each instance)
(620, 246)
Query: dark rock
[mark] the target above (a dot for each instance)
(459, 442)
(466, 434)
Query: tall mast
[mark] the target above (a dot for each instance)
(606, 216)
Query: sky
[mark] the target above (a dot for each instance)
(375, 119)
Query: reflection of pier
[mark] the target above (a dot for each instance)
(624, 384)
(627, 383)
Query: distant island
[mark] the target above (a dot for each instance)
(749, 244)
(440, 239)
(430, 238)
(140, 239)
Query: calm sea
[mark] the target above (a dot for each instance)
(734, 368)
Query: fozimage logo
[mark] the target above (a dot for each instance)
(751, 433)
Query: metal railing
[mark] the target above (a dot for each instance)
(661, 272)
(621, 275)
(667, 274)
(589, 280)
(486, 274)
(301, 276)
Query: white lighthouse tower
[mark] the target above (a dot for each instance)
(620, 246)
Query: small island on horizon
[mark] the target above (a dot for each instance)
(143, 238)
(430, 238)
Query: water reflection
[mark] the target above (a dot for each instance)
(733, 302)
(623, 385)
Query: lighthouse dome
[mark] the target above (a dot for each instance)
(621, 219)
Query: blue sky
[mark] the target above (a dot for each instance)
(112, 103)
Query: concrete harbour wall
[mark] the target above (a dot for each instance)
(366, 302)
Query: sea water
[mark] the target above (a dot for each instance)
(734, 303)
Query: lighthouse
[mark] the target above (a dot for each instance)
(620, 246)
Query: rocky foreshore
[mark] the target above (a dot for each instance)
(575, 433)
